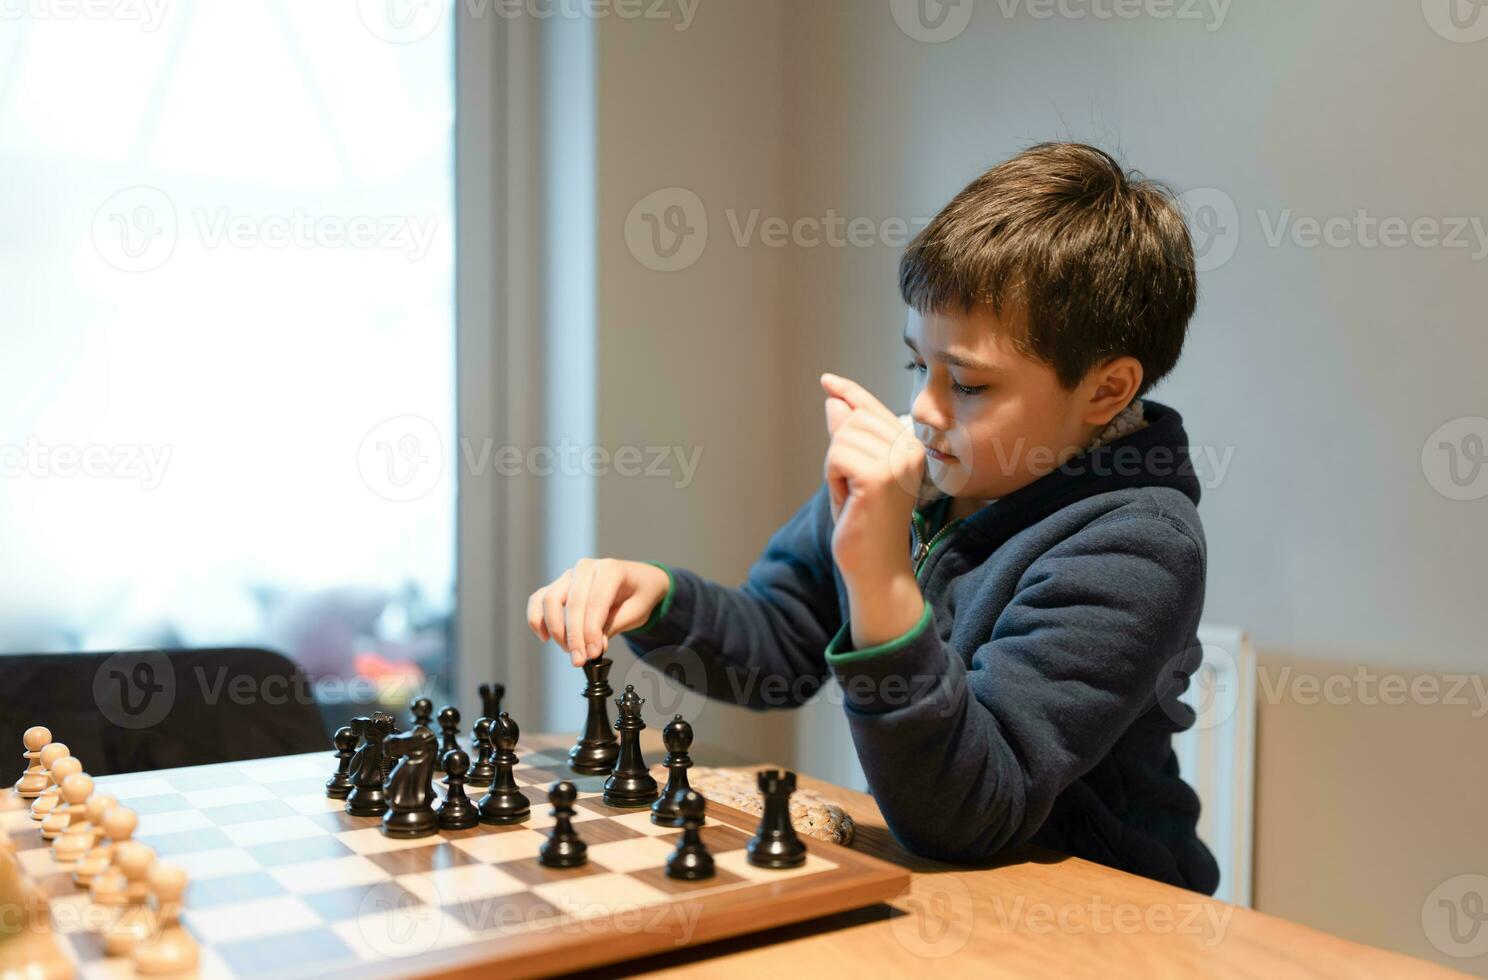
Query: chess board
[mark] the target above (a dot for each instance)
(284, 883)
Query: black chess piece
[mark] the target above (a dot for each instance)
(457, 812)
(339, 784)
(423, 713)
(367, 797)
(491, 695)
(504, 802)
(775, 844)
(677, 737)
(563, 848)
(449, 725)
(410, 788)
(595, 752)
(389, 723)
(691, 860)
(484, 769)
(630, 783)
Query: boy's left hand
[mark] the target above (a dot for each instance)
(873, 468)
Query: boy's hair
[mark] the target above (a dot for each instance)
(1098, 261)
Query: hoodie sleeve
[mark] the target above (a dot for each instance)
(759, 645)
(965, 762)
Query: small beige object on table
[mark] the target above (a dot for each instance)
(35, 778)
(108, 882)
(77, 840)
(132, 922)
(54, 753)
(170, 948)
(75, 792)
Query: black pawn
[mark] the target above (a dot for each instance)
(691, 860)
(563, 848)
(775, 844)
(630, 783)
(423, 713)
(595, 752)
(504, 802)
(677, 737)
(457, 812)
(449, 725)
(491, 695)
(340, 784)
(484, 769)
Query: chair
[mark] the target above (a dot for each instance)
(136, 710)
(1217, 755)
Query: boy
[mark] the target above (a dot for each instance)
(1011, 648)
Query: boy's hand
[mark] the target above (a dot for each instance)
(873, 467)
(582, 608)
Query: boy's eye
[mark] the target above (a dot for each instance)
(964, 390)
(914, 366)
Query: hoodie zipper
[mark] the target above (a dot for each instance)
(922, 547)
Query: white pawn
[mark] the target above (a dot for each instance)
(53, 753)
(74, 845)
(72, 813)
(131, 923)
(34, 779)
(170, 949)
(108, 882)
(51, 797)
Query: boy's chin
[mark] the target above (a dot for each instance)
(950, 479)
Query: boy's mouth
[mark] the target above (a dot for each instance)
(938, 456)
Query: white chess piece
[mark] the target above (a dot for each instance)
(133, 921)
(51, 754)
(51, 797)
(108, 882)
(170, 948)
(72, 813)
(77, 840)
(34, 779)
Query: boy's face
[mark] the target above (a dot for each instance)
(992, 420)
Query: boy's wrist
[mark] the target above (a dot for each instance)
(883, 607)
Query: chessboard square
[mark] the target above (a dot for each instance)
(208, 892)
(512, 913)
(461, 884)
(170, 823)
(535, 776)
(530, 872)
(328, 873)
(605, 830)
(36, 863)
(717, 837)
(544, 760)
(250, 920)
(283, 770)
(186, 841)
(510, 845)
(144, 806)
(226, 816)
(737, 862)
(630, 855)
(366, 899)
(273, 831)
(56, 884)
(222, 861)
(290, 952)
(371, 840)
(297, 851)
(126, 788)
(640, 821)
(313, 803)
(599, 894)
(17, 819)
(542, 818)
(205, 777)
(657, 878)
(234, 795)
(433, 855)
(297, 787)
(397, 933)
(335, 821)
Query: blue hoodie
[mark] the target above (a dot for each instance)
(1036, 699)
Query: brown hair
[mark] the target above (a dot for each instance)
(1098, 260)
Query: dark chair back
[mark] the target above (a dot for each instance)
(136, 710)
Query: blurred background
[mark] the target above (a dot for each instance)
(339, 330)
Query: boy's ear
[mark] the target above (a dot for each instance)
(1115, 385)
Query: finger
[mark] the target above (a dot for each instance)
(838, 412)
(854, 394)
(535, 615)
(607, 579)
(573, 612)
(553, 600)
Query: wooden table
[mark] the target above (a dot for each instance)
(1037, 914)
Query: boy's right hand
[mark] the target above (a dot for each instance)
(582, 608)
